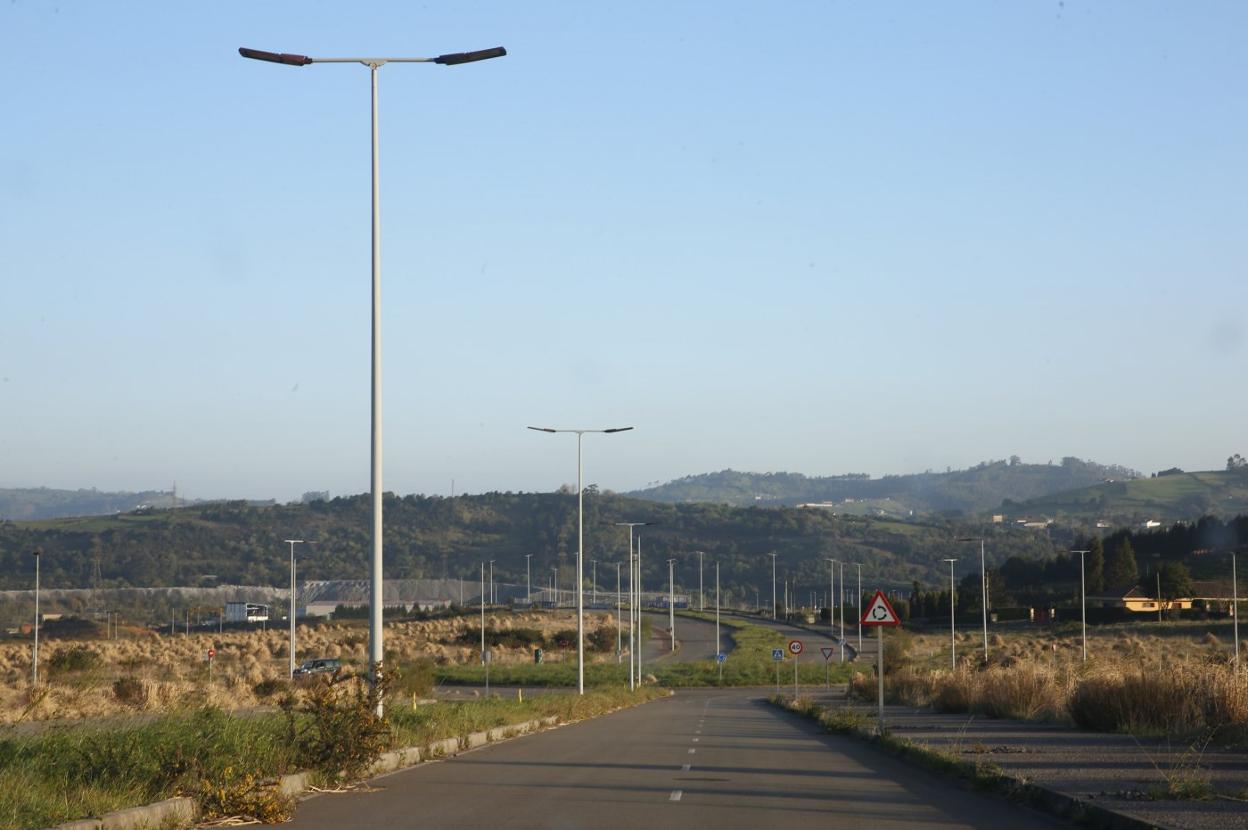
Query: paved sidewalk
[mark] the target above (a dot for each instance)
(1114, 771)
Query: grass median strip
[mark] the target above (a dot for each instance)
(748, 664)
(227, 762)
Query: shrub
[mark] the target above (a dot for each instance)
(267, 688)
(413, 679)
(130, 690)
(76, 659)
(336, 729)
(564, 639)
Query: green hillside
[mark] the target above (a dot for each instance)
(237, 543)
(979, 489)
(1166, 498)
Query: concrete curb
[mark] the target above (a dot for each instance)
(172, 812)
(1058, 804)
(182, 812)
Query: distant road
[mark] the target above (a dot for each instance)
(717, 758)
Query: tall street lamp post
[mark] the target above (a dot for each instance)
(619, 614)
(1083, 600)
(634, 615)
(983, 584)
(292, 543)
(953, 643)
(593, 582)
(34, 660)
(701, 595)
(671, 602)
(528, 578)
(492, 600)
(580, 549)
(773, 585)
(858, 607)
(375, 634)
(831, 596)
(841, 581)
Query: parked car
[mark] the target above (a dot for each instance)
(321, 665)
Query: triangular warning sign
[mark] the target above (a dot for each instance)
(880, 612)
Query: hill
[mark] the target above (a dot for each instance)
(23, 503)
(241, 544)
(977, 490)
(1166, 498)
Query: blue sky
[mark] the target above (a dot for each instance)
(819, 237)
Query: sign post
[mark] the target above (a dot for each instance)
(795, 648)
(827, 662)
(879, 613)
(720, 658)
(212, 652)
(777, 656)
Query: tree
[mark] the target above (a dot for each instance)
(1236, 463)
(1094, 567)
(1121, 570)
(1176, 580)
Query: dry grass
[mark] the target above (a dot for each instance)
(172, 673)
(1133, 682)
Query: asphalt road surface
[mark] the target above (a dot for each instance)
(722, 758)
(695, 640)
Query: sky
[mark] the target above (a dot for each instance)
(817, 237)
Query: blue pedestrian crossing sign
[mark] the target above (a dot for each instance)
(721, 657)
(777, 654)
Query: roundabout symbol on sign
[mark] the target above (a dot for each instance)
(795, 647)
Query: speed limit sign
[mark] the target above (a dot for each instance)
(795, 647)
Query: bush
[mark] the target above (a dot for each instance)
(267, 688)
(563, 639)
(336, 729)
(130, 690)
(510, 638)
(413, 679)
(76, 659)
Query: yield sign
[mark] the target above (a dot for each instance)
(827, 652)
(880, 612)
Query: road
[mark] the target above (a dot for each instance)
(721, 757)
(695, 638)
(821, 636)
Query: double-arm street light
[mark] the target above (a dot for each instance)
(953, 643)
(580, 549)
(831, 596)
(375, 646)
(292, 543)
(983, 584)
(634, 612)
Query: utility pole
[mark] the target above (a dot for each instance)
(528, 578)
(483, 613)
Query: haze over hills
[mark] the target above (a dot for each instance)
(980, 489)
(32, 503)
(1168, 497)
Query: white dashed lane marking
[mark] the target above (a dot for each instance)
(676, 794)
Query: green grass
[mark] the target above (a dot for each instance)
(62, 775)
(748, 664)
